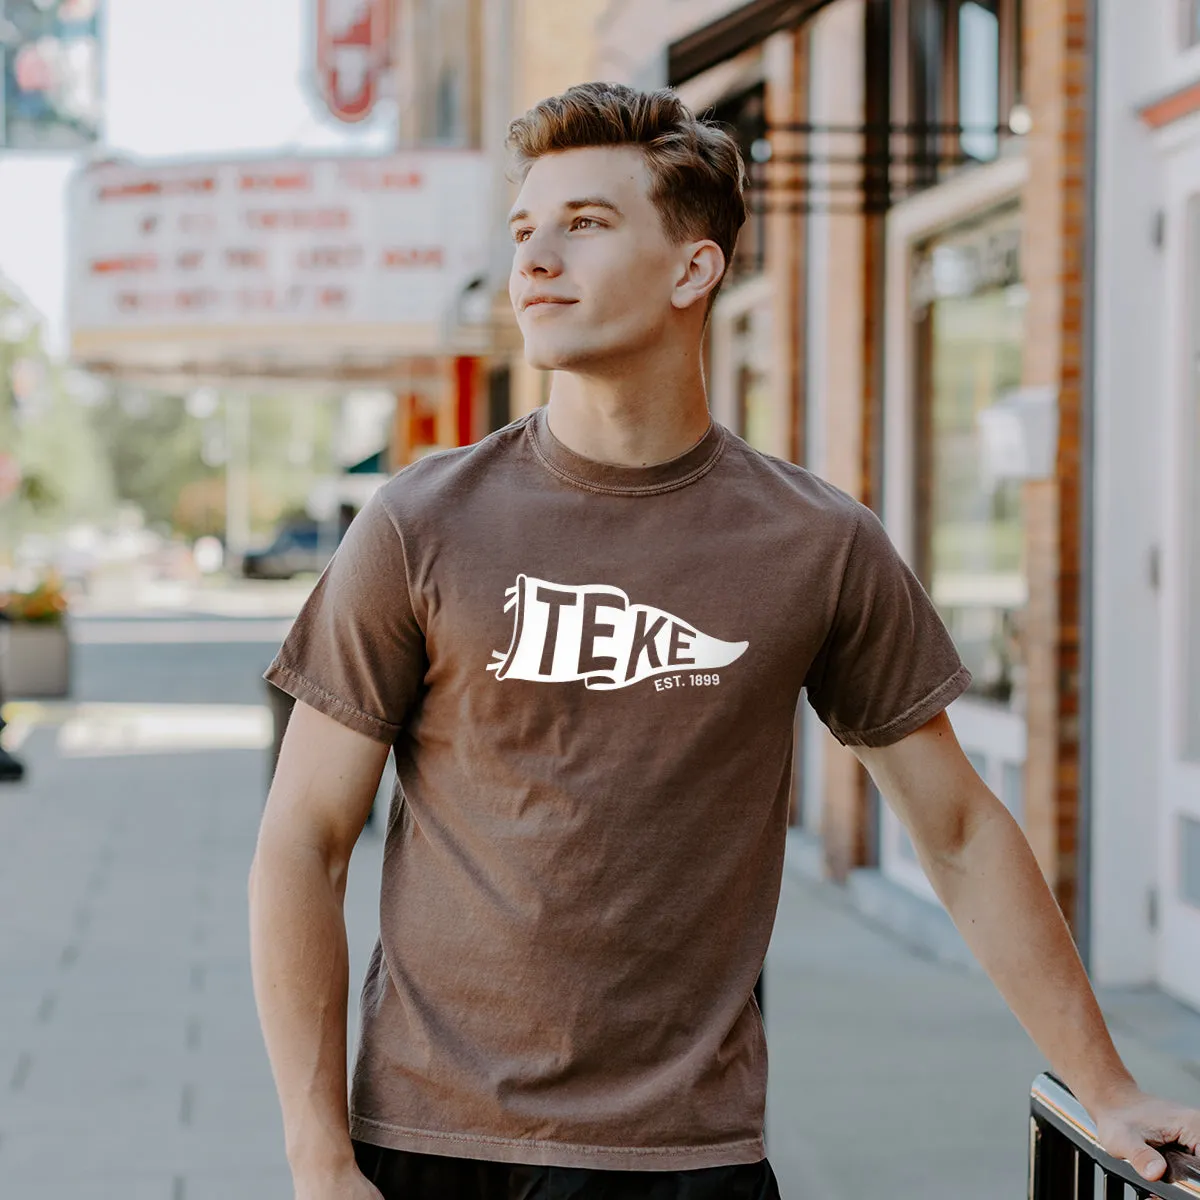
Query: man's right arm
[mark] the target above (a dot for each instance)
(319, 801)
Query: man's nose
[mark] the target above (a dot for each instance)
(536, 257)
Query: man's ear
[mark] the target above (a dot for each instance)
(702, 272)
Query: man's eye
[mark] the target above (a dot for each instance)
(579, 220)
(521, 235)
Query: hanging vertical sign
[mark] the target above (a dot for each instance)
(51, 96)
(353, 44)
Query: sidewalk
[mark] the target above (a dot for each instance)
(131, 1066)
(893, 1074)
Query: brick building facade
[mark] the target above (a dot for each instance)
(891, 168)
(910, 315)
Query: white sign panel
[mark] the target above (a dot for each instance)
(276, 244)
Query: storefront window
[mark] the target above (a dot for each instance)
(446, 63)
(1191, 700)
(1189, 13)
(969, 310)
(745, 117)
(964, 78)
(979, 78)
(927, 74)
(751, 348)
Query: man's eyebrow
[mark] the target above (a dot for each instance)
(593, 202)
(522, 214)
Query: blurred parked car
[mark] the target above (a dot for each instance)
(299, 548)
(302, 546)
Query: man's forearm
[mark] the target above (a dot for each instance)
(301, 978)
(998, 898)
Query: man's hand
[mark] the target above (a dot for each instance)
(1133, 1124)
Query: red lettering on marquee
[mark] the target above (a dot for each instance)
(381, 179)
(196, 298)
(142, 188)
(246, 260)
(124, 265)
(403, 257)
(330, 258)
(298, 218)
(296, 181)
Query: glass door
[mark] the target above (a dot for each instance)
(1179, 828)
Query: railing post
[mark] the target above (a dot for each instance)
(1054, 1172)
(1065, 1154)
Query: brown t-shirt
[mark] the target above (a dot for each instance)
(589, 674)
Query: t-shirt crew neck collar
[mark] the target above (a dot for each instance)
(594, 476)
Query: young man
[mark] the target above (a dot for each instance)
(584, 640)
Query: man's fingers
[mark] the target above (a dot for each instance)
(1191, 1132)
(1148, 1163)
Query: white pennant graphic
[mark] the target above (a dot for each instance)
(562, 634)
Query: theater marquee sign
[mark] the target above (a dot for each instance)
(311, 265)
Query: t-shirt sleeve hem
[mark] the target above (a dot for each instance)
(301, 688)
(912, 718)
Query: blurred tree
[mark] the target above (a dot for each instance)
(43, 421)
(153, 448)
(168, 456)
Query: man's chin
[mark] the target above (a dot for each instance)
(560, 358)
(548, 358)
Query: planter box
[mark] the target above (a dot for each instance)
(35, 661)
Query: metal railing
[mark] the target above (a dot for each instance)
(1067, 1162)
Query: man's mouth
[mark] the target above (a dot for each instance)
(534, 301)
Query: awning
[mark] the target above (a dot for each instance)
(375, 464)
(736, 31)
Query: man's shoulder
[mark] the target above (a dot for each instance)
(447, 476)
(797, 488)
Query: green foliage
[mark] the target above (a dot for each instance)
(157, 452)
(64, 474)
(84, 446)
(153, 449)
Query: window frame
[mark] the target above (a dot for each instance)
(915, 109)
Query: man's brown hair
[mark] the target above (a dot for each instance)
(697, 176)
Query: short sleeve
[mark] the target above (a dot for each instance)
(356, 651)
(888, 664)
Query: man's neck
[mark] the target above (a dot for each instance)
(629, 422)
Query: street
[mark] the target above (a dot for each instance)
(131, 1065)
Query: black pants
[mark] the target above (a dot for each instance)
(400, 1175)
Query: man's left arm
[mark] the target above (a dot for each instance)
(982, 868)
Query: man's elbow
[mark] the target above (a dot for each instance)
(972, 816)
(301, 855)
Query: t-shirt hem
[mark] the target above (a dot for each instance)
(299, 687)
(912, 718)
(539, 1153)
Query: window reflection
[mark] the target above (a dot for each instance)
(970, 520)
(1191, 703)
(979, 78)
(1189, 11)
(751, 349)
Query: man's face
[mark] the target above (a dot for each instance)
(594, 272)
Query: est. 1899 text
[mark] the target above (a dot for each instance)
(666, 682)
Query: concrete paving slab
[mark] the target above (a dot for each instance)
(897, 1074)
(88, 1186)
(129, 1040)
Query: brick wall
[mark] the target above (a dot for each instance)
(1057, 72)
(554, 47)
